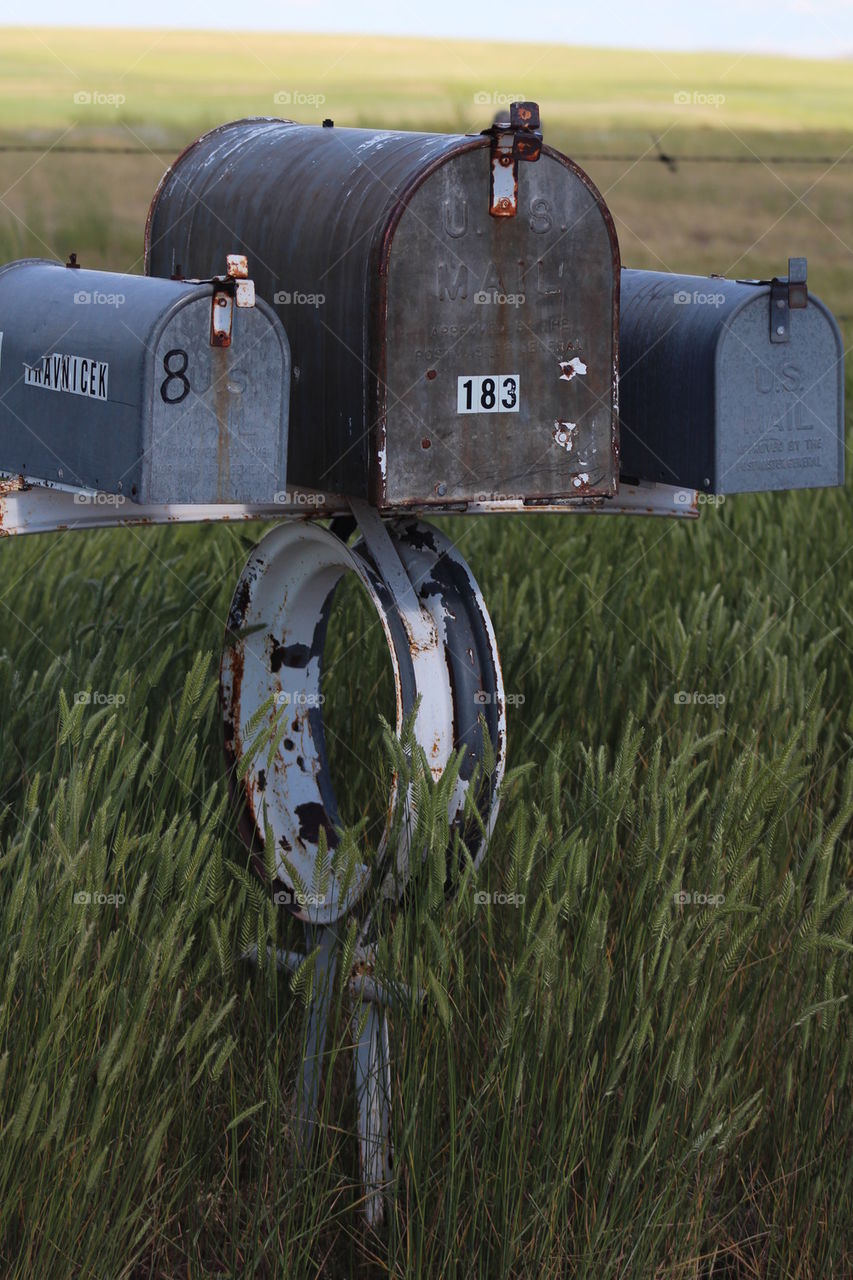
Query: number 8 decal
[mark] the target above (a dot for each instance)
(175, 375)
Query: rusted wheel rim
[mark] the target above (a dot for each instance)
(274, 647)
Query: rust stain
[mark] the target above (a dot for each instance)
(222, 399)
(237, 266)
(571, 368)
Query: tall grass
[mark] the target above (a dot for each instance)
(634, 1055)
(604, 1080)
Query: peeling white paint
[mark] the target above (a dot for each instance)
(564, 434)
(578, 480)
(570, 368)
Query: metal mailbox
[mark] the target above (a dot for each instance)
(451, 302)
(730, 386)
(158, 390)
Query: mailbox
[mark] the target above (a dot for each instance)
(451, 302)
(158, 390)
(730, 386)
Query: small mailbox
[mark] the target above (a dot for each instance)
(159, 390)
(730, 386)
(451, 302)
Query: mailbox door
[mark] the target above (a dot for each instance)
(780, 417)
(219, 414)
(500, 364)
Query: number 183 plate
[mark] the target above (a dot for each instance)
(487, 393)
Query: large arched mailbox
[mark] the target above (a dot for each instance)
(451, 302)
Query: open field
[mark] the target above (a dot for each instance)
(190, 80)
(736, 218)
(605, 1082)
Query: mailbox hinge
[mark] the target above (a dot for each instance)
(519, 138)
(787, 295)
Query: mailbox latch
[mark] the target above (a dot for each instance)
(519, 138)
(229, 290)
(787, 295)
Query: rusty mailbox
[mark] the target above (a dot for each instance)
(451, 302)
(156, 390)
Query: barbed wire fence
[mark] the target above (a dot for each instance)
(657, 157)
(670, 161)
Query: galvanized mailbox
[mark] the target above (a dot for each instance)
(158, 390)
(730, 386)
(451, 302)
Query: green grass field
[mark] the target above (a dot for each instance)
(603, 1082)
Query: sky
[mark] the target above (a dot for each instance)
(822, 28)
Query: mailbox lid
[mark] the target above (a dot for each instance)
(708, 401)
(219, 422)
(499, 339)
(779, 406)
(108, 382)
